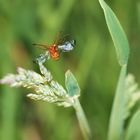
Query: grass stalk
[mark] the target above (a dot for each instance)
(82, 120)
(116, 120)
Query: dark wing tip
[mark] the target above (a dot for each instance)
(73, 42)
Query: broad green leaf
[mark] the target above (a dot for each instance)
(133, 132)
(118, 36)
(71, 83)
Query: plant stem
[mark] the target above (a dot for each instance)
(82, 120)
(115, 131)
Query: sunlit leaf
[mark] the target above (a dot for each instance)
(118, 36)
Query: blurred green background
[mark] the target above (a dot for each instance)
(93, 62)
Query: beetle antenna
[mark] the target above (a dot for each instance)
(42, 46)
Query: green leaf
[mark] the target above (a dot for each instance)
(133, 132)
(71, 83)
(117, 115)
(118, 36)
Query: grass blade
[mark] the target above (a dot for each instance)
(134, 128)
(117, 114)
(118, 36)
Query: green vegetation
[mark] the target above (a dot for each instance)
(93, 63)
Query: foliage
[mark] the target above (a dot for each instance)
(93, 63)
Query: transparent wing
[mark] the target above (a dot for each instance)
(61, 38)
